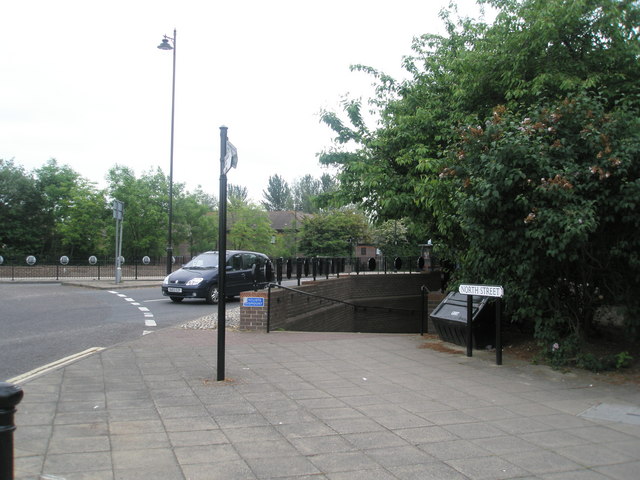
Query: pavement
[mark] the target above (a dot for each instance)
(319, 406)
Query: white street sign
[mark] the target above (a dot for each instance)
(482, 290)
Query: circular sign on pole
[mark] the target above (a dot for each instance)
(93, 260)
(121, 260)
(146, 260)
(31, 260)
(64, 260)
(1, 260)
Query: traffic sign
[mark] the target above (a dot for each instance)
(482, 290)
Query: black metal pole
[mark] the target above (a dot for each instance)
(222, 255)
(173, 107)
(269, 307)
(469, 325)
(422, 289)
(498, 332)
(10, 396)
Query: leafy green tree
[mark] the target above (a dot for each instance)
(21, 215)
(393, 239)
(333, 233)
(57, 184)
(145, 210)
(237, 194)
(278, 195)
(441, 156)
(249, 228)
(194, 222)
(83, 221)
(305, 191)
(553, 194)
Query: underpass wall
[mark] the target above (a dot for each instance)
(377, 299)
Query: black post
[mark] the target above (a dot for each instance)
(425, 299)
(498, 332)
(469, 326)
(10, 396)
(173, 109)
(279, 261)
(222, 254)
(269, 307)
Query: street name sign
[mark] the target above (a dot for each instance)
(482, 290)
(253, 302)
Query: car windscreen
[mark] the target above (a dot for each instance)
(205, 260)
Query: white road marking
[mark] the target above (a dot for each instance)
(54, 365)
(148, 322)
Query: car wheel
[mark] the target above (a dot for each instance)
(176, 299)
(213, 295)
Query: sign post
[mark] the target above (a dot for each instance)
(228, 160)
(495, 291)
(118, 214)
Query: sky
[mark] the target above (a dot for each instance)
(82, 81)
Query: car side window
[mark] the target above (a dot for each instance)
(235, 262)
(248, 259)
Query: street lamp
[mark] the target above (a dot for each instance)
(165, 45)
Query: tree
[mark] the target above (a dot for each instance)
(277, 196)
(305, 191)
(392, 238)
(249, 228)
(145, 210)
(83, 221)
(21, 215)
(333, 233)
(237, 195)
(461, 150)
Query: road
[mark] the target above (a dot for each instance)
(42, 323)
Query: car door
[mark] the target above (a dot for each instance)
(248, 261)
(235, 275)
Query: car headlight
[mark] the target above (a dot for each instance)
(166, 280)
(194, 281)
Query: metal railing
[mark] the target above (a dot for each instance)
(146, 267)
(315, 267)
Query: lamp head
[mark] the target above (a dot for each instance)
(165, 45)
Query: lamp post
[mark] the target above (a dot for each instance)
(165, 45)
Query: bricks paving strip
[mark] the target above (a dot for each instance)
(319, 406)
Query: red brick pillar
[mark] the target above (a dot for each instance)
(253, 310)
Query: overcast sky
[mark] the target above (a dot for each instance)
(82, 81)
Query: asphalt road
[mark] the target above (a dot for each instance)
(42, 323)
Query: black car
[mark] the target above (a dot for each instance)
(199, 277)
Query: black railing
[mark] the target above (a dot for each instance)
(146, 267)
(318, 267)
(36, 268)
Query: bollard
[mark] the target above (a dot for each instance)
(10, 396)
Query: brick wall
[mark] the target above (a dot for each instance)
(374, 296)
